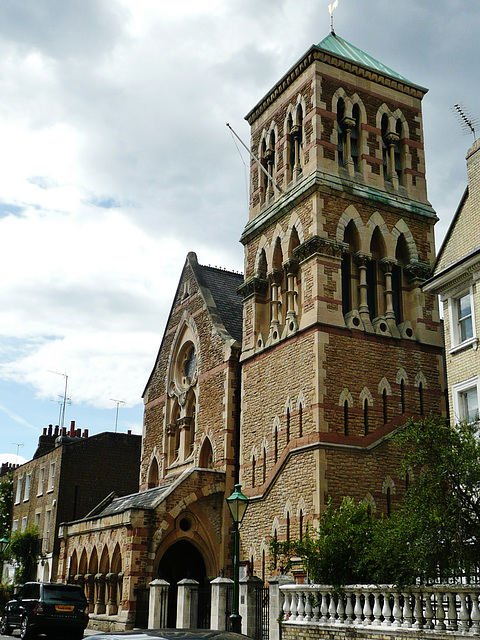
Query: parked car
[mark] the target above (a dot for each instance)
(46, 607)
(170, 634)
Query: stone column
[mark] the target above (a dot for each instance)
(100, 601)
(276, 604)
(158, 604)
(90, 591)
(361, 262)
(187, 604)
(111, 580)
(218, 612)
(248, 605)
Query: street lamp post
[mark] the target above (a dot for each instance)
(237, 504)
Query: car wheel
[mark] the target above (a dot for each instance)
(25, 631)
(5, 628)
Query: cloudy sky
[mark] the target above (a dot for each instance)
(115, 162)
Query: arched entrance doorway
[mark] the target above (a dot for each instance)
(182, 560)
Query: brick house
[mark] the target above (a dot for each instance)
(297, 386)
(70, 474)
(455, 277)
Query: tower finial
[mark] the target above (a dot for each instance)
(331, 9)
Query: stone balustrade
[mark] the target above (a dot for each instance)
(433, 609)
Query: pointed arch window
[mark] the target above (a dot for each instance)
(300, 421)
(402, 395)
(288, 425)
(341, 133)
(300, 525)
(365, 416)
(384, 130)
(264, 466)
(348, 272)
(385, 408)
(253, 471)
(288, 526)
(398, 152)
(355, 137)
(290, 149)
(345, 417)
(275, 443)
(420, 398)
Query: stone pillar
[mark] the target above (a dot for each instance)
(218, 615)
(187, 604)
(90, 591)
(158, 604)
(111, 579)
(276, 604)
(248, 605)
(100, 600)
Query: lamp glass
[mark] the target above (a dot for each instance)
(237, 504)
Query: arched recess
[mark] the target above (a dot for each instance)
(182, 560)
(105, 560)
(93, 562)
(73, 566)
(83, 564)
(153, 474)
(206, 458)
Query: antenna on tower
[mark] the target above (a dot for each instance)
(64, 401)
(466, 121)
(117, 402)
(331, 9)
(18, 445)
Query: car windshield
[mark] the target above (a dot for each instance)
(53, 593)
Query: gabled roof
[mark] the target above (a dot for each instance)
(142, 500)
(340, 47)
(223, 286)
(218, 288)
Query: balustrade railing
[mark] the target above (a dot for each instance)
(435, 608)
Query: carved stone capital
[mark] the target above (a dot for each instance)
(171, 428)
(386, 265)
(291, 266)
(347, 122)
(255, 286)
(276, 276)
(361, 259)
(418, 271)
(296, 132)
(323, 246)
(185, 422)
(392, 137)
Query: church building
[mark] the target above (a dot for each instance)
(291, 378)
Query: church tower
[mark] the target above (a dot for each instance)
(340, 344)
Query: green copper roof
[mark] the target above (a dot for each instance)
(334, 44)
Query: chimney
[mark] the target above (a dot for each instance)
(473, 171)
(85, 433)
(50, 429)
(72, 428)
(55, 433)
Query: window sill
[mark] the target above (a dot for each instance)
(471, 343)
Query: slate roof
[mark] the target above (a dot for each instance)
(144, 500)
(223, 286)
(340, 47)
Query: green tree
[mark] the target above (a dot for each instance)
(6, 505)
(435, 533)
(24, 552)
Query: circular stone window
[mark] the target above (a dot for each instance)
(185, 524)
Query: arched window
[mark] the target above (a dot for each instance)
(288, 425)
(206, 455)
(384, 401)
(300, 525)
(264, 466)
(402, 258)
(351, 238)
(420, 398)
(300, 421)
(345, 417)
(398, 151)
(253, 471)
(355, 137)
(384, 129)
(288, 527)
(263, 177)
(375, 280)
(290, 149)
(153, 474)
(365, 416)
(275, 443)
(342, 134)
(402, 395)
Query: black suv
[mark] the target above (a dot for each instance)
(46, 607)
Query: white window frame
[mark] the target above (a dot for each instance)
(51, 477)
(457, 392)
(456, 342)
(41, 481)
(28, 484)
(18, 495)
(15, 525)
(24, 523)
